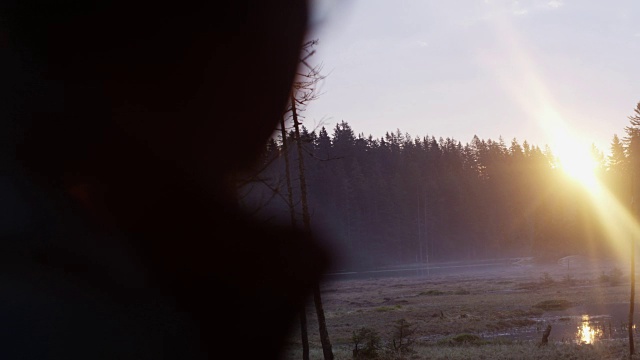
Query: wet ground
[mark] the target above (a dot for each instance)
(493, 299)
(502, 302)
(584, 324)
(423, 270)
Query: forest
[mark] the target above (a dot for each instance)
(399, 199)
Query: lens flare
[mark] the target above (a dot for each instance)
(573, 155)
(524, 83)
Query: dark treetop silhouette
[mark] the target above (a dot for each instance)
(122, 123)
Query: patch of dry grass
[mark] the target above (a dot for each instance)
(479, 304)
(554, 304)
(609, 350)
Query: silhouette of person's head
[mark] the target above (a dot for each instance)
(141, 110)
(138, 87)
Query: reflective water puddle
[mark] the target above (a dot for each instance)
(580, 325)
(591, 330)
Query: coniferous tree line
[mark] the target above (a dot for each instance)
(400, 199)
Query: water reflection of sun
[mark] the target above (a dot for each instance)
(587, 334)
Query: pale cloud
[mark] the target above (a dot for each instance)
(520, 12)
(409, 64)
(554, 4)
(519, 8)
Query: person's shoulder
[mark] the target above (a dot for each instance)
(277, 249)
(72, 292)
(49, 313)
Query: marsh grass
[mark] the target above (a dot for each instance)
(432, 292)
(481, 304)
(554, 305)
(488, 350)
(526, 351)
(461, 339)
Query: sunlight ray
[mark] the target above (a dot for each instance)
(528, 88)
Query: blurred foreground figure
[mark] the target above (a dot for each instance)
(121, 124)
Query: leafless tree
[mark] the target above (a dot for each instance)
(304, 91)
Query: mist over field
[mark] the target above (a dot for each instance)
(496, 217)
(401, 200)
(509, 235)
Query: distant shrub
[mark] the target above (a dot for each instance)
(546, 279)
(432, 292)
(603, 278)
(367, 343)
(462, 339)
(568, 279)
(388, 308)
(614, 277)
(529, 285)
(521, 322)
(556, 304)
(402, 338)
(462, 292)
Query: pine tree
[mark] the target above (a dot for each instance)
(633, 153)
(617, 160)
(633, 130)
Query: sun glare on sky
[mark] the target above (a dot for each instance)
(567, 141)
(574, 156)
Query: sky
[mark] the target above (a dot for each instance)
(540, 71)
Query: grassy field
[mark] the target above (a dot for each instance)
(499, 313)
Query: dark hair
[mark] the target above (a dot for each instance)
(104, 82)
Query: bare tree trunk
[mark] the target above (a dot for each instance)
(419, 260)
(306, 220)
(545, 336)
(632, 299)
(285, 151)
(426, 231)
(632, 271)
(304, 335)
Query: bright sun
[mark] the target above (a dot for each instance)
(573, 154)
(577, 161)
